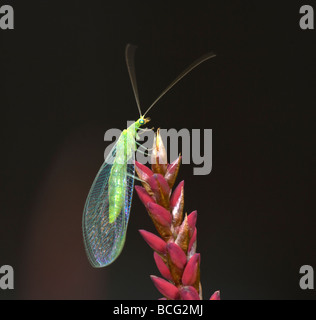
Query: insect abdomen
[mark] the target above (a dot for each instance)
(117, 180)
(116, 190)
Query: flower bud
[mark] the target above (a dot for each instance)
(189, 293)
(158, 158)
(154, 241)
(166, 288)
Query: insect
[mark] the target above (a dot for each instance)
(107, 208)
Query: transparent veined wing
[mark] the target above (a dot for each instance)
(103, 240)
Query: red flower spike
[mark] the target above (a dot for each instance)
(153, 241)
(189, 293)
(190, 273)
(177, 256)
(215, 296)
(162, 267)
(166, 288)
(172, 171)
(160, 214)
(177, 204)
(144, 197)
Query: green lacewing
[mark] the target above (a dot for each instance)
(108, 205)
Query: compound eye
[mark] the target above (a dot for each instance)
(141, 121)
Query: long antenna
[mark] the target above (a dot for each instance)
(180, 76)
(129, 57)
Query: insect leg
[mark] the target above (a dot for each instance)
(141, 146)
(134, 177)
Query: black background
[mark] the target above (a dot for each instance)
(64, 83)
